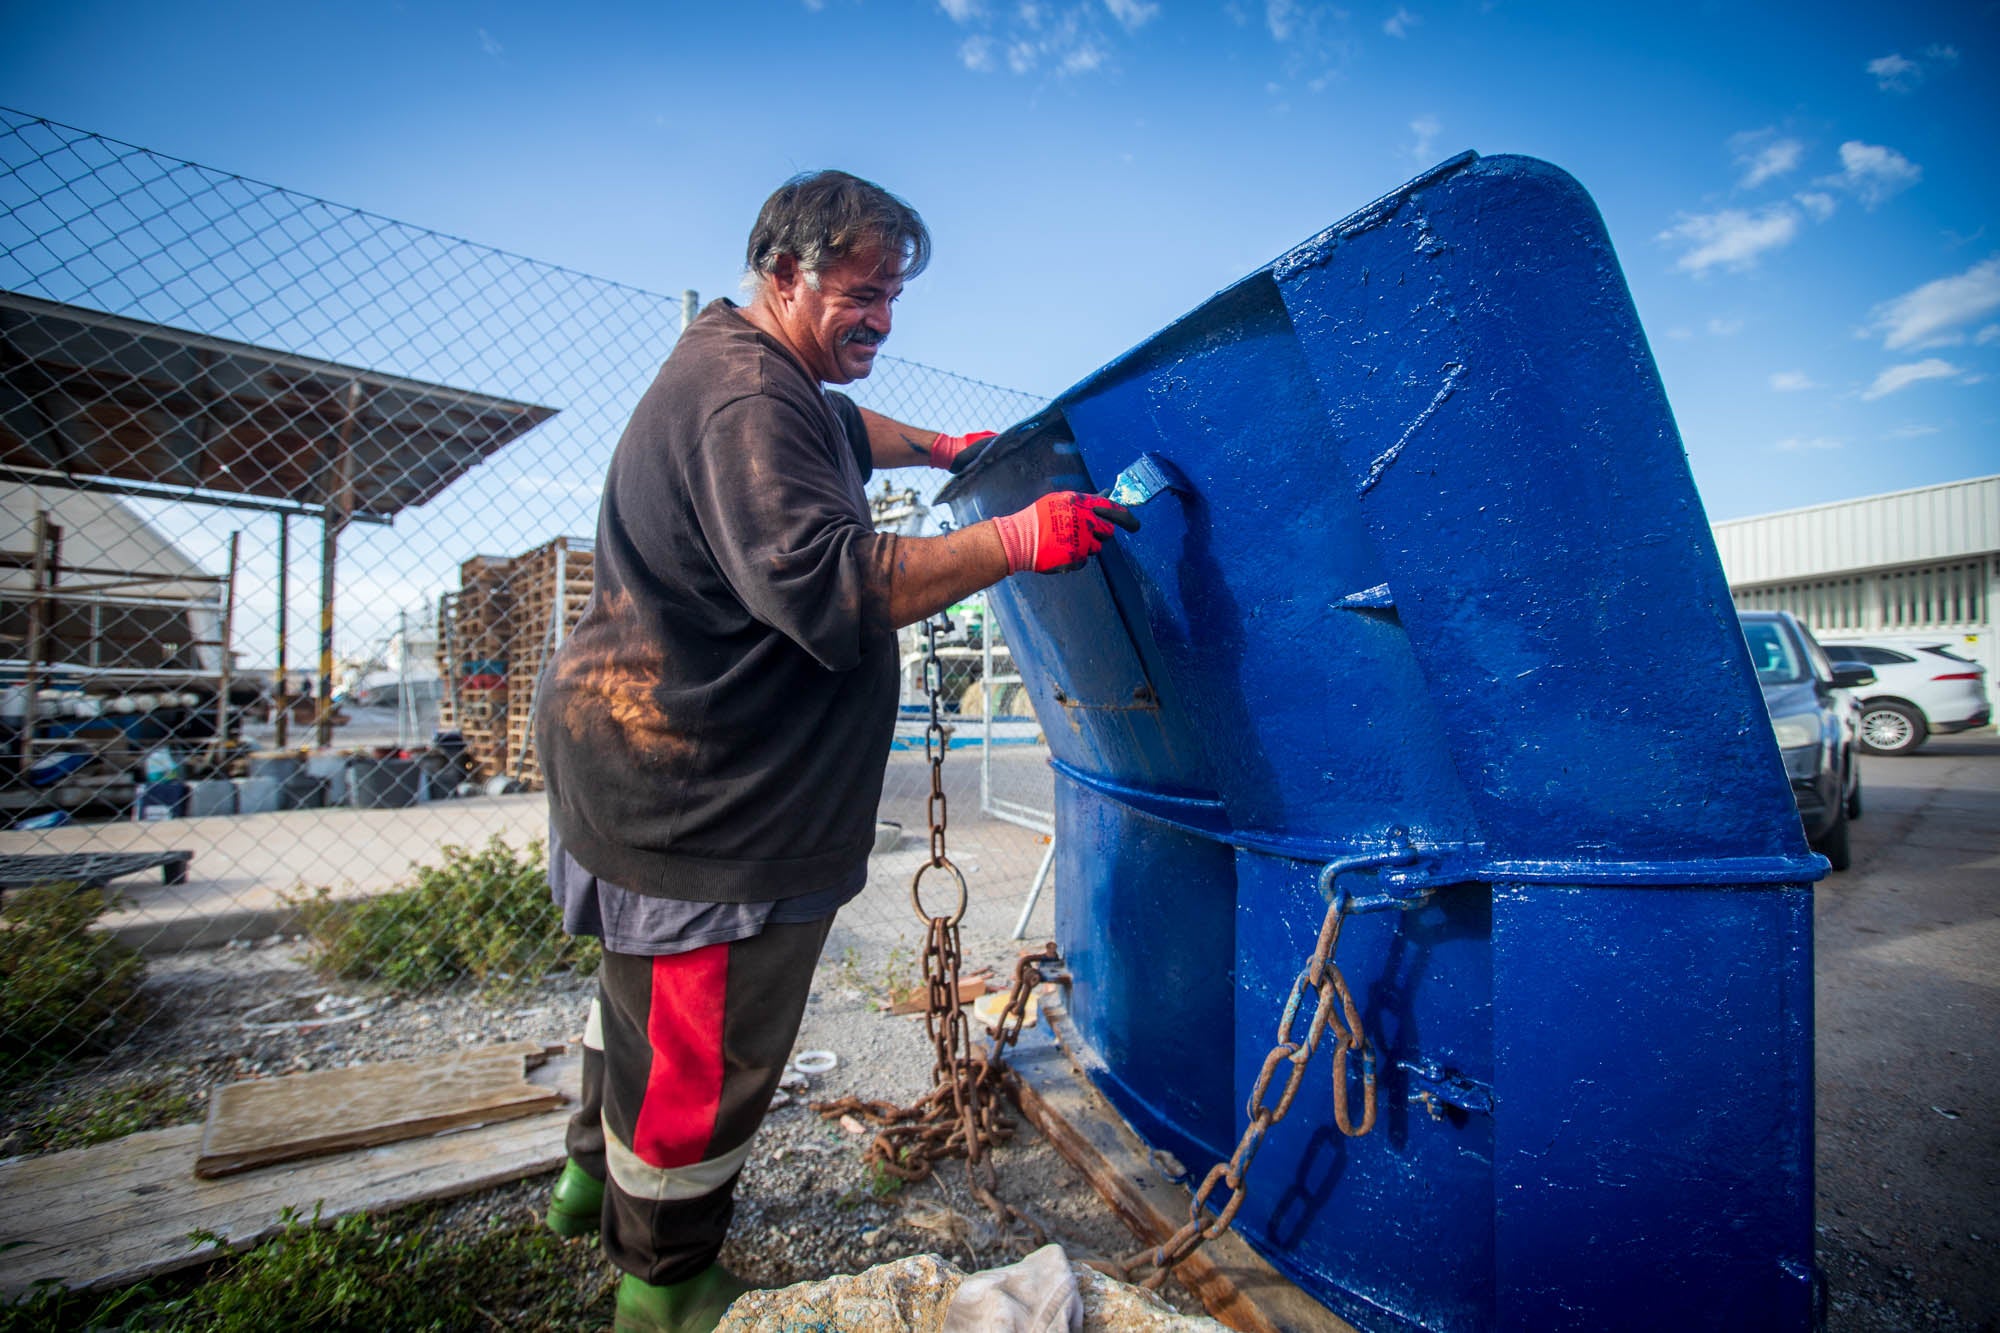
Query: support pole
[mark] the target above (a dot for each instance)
(283, 698)
(37, 613)
(329, 550)
(690, 307)
(1035, 889)
(220, 745)
(339, 501)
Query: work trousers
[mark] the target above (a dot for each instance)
(680, 1057)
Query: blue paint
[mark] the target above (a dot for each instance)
(1443, 599)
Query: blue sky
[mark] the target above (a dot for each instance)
(1802, 195)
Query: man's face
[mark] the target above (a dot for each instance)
(837, 328)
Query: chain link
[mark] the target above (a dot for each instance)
(960, 1116)
(1333, 1008)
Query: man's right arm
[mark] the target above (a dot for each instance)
(1058, 532)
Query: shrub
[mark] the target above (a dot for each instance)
(64, 987)
(482, 914)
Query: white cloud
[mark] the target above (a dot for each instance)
(1792, 381)
(1931, 315)
(1796, 444)
(1680, 333)
(1912, 431)
(1764, 156)
(815, 5)
(490, 44)
(1873, 173)
(1282, 18)
(1896, 73)
(1732, 238)
(1989, 334)
(1821, 206)
(1026, 36)
(1916, 372)
(1082, 59)
(1400, 22)
(1724, 328)
(1427, 129)
(1133, 14)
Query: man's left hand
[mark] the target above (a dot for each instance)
(956, 452)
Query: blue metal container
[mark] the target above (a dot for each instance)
(1442, 612)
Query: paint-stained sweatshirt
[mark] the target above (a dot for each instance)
(716, 727)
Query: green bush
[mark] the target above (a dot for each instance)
(64, 988)
(482, 914)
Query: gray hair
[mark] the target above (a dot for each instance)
(823, 217)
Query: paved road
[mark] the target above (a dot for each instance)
(1908, 1002)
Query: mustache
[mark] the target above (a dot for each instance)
(864, 335)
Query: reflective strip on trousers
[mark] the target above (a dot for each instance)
(665, 1184)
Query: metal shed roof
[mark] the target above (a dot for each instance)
(1946, 522)
(98, 402)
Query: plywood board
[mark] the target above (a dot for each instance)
(122, 1211)
(1233, 1283)
(263, 1121)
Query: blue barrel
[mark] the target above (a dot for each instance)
(1438, 629)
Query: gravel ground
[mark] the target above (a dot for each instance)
(806, 1207)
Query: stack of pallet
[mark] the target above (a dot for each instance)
(551, 583)
(478, 634)
(498, 632)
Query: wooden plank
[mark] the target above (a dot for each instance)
(262, 1121)
(118, 1212)
(1233, 1283)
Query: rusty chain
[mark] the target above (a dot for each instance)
(960, 1116)
(1333, 1007)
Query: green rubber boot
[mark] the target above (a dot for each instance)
(576, 1204)
(694, 1306)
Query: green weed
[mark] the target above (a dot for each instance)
(362, 1273)
(79, 1120)
(64, 988)
(482, 914)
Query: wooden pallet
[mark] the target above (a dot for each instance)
(506, 611)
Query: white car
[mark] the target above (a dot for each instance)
(1921, 687)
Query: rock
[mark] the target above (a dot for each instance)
(911, 1296)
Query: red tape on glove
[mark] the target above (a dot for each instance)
(947, 447)
(1060, 532)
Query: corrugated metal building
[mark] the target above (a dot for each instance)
(1923, 561)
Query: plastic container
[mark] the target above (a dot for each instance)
(160, 800)
(385, 784)
(211, 796)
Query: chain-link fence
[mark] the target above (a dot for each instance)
(296, 500)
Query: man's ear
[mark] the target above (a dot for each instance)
(784, 275)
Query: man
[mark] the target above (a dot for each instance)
(714, 732)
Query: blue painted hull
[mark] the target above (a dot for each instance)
(1443, 596)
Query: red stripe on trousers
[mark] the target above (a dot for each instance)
(684, 1084)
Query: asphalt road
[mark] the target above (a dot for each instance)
(1908, 1005)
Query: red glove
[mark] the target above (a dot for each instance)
(1059, 532)
(945, 448)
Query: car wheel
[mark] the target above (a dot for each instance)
(1834, 846)
(1854, 797)
(1891, 728)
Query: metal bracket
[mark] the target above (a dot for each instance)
(1433, 1086)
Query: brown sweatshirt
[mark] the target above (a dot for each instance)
(716, 727)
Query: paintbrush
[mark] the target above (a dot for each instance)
(1147, 476)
